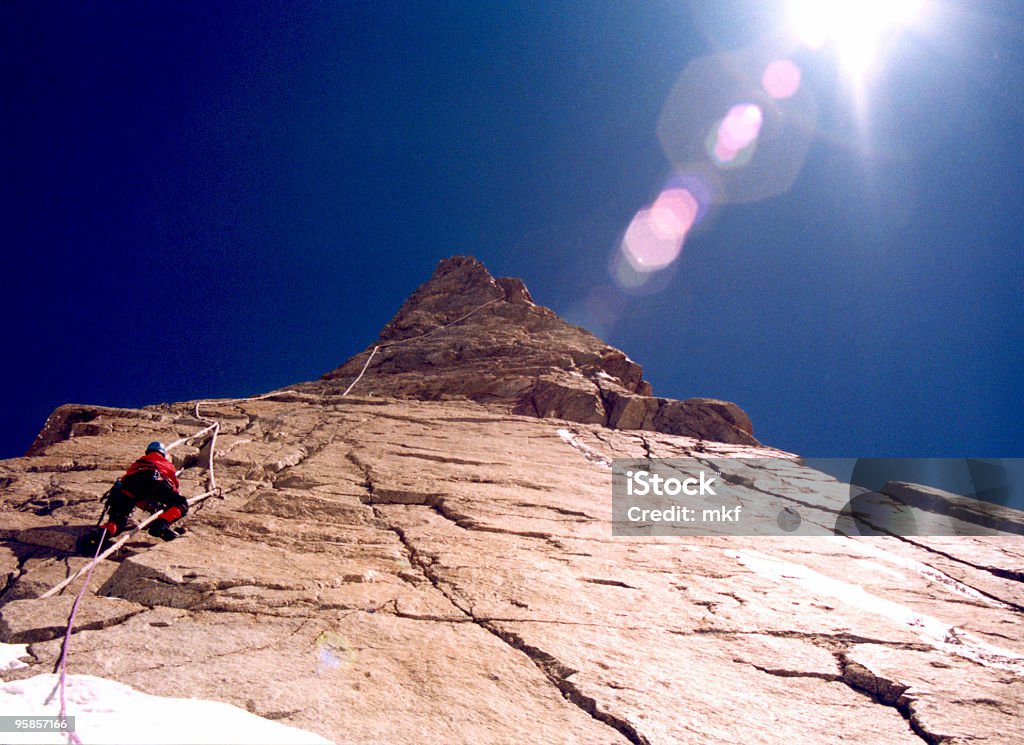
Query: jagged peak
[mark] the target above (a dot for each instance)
(459, 285)
(466, 334)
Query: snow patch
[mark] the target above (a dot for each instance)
(942, 636)
(10, 656)
(588, 452)
(934, 575)
(109, 712)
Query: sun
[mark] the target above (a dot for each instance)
(855, 28)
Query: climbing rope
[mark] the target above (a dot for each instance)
(213, 427)
(114, 546)
(360, 375)
(377, 347)
(62, 663)
(212, 490)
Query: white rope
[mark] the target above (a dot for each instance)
(211, 478)
(360, 375)
(214, 427)
(211, 482)
(442, 328)
(200, 433)
(114, 546)
(415, 338)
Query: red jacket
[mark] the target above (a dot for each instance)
(154, 460)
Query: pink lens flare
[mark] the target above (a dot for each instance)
(741, 126)
(674, 212)
(781, 78)
(646, 250)
(656, 234)
(735, 133)
(724, 153)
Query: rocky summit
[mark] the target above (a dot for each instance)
(498, 347)
(430, 559)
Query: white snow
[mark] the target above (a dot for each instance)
(109, 712)
(932, 574)
(10, 656)
(585, 450)
(939, 634)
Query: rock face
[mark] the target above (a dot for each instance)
(466, 335)
(424, 565)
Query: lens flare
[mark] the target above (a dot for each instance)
(741, 126)
(674, 213)
(646, 247)
(722, 119)
(630, 282)
(737, 132)
(625, 275)
(781, 78)
(600, 310)
(333, 652)
(809, 21)
(656, 234)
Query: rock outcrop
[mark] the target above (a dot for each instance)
(466, 335)
(415, 562)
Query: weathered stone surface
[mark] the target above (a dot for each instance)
(39, 570)
(560, 396)
(74, 420)
(397, 570)
(465, 334)
(973, 511)
(964, 706)
(36, 620)
(631, 412)
(704, 418)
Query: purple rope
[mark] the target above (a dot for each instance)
(72, 737)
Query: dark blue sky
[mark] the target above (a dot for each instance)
(217, 201)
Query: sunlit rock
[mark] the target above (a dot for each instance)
(415, 562)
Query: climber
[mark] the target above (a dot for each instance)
(150, 483)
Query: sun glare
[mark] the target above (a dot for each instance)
(856, 28)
